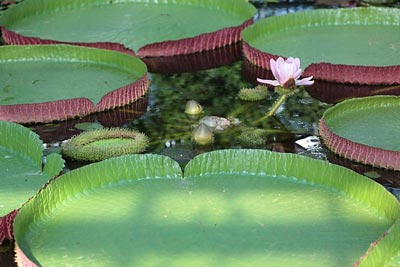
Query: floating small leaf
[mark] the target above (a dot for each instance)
(97, 145)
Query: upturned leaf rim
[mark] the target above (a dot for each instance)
(64, 109)
(327, 71)
(206, 41)
(355, 149)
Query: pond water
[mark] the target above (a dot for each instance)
(160, 115)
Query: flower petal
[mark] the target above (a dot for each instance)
(305, 81)
(270, 82)
(297, 62)
(307, 78)
(297, 74)
(289, 60)
(274, 68)
(280, 75)
(295, 67)
(280, 60)
(285, 71)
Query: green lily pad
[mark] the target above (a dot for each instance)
(152, 28)
(231, 208)
(364, 130)
(42, 83)
(22, 173)
(355, 45)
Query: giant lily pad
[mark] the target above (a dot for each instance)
(59, 82)
(152, 28)
(231, 208)
(364, 130)
(356, 45)
(22, 173)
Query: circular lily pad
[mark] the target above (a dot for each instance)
(232, 208)
(42, 83)
(355, 45)
(150, 28)
(23, 171)
(365, 130)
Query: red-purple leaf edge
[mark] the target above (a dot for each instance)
(13, 38)
(377, 157)
(70, 108)
(199, 43)
(6, 229)
(339, 73)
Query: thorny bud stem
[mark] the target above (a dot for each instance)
(282, 98)
(284, 93)
(277, 104)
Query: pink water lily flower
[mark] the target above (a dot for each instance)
(287, 73)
